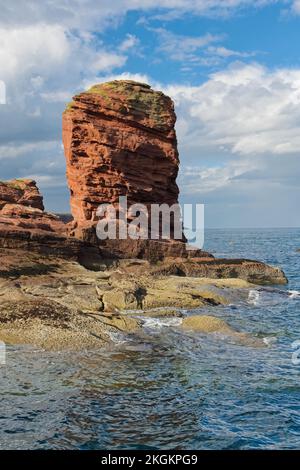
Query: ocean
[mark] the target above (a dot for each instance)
(172, 390)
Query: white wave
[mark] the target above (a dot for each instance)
(269, 340)
(117, 337)
(293, 294)
(158, 323)
(253, 297)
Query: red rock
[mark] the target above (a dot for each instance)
(119, 140)
(24, 224)
(21, 191)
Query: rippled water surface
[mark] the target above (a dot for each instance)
(171, 390)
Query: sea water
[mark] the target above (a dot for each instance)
(172, 390)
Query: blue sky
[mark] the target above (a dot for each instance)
(231, 66)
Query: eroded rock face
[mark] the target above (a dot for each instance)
(24, 223)
(20, 191)
(119, 140)
(21, 206)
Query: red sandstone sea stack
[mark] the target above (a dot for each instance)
(120, 140)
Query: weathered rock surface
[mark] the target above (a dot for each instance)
(55, 303)
(22, 192)
(255, 272)
(211, 324)
(25, 225)
(60, 287)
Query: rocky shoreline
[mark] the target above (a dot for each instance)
(57, 304)
(62, 287)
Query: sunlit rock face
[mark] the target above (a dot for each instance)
(24, 223)
(119, 140)
(23, 192)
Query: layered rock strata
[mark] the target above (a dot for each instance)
(25, 225)
(120, 140)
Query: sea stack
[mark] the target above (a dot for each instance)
(120, 140)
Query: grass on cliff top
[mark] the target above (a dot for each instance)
(139, 97)
(69, 106)
(15, 184)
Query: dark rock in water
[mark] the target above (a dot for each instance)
(255, 272)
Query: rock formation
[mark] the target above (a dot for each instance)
(60, 286)
(23, 192)
(120, 140)
(25, 224)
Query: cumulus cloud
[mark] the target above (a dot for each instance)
(32, 48)
(129, 42)
(183, 48)
(107, 61)
(89, 14)
(244, 109)
(296, 6)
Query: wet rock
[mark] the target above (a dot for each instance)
(211, 324)
(206, 324)
(254, 272)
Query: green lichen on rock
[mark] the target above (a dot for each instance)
(137, 98)
(70, 106)
(16, 184)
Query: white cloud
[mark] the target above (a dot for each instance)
(183, 48)
(296, 6)
(46, 52)
(90, 14)
(203, 180)
(57, 96)
(107, 61)
(225, 52)
(245, 109)
(17, 150)
(129, 42)
(32, 48)
(195, 50)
